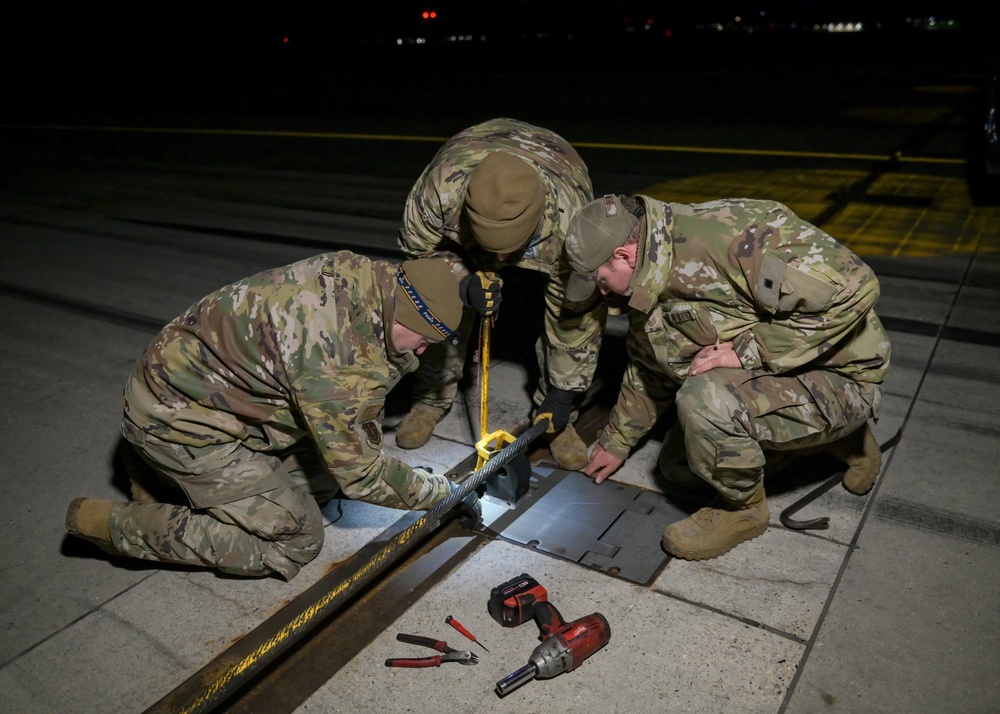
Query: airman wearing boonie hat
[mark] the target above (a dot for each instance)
(265, 398)
(501, 194)
(758, 325)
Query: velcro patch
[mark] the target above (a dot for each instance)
(371, 411)
(768, 288)
(680, 313)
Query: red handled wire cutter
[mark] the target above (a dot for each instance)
(450, 654)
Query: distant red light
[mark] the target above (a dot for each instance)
(429, 14)
(285, 39)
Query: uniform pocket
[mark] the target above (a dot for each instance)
(694, 321)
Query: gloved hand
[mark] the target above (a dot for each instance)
(557, 408)
(470, 510)
(433, 487)
(481, 292)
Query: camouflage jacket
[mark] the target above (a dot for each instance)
(298, 352)
(432, 224)
(790, 298)
(431, 218)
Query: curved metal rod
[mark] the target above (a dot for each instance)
(824, 521)
(237, 674)
(818, 523)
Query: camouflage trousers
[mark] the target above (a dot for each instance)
(253, 513)
(729, 418)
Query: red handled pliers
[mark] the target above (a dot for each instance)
(450, 654)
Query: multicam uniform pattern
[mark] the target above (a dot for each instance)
(433, 224)
(228, 393)
(798, 308)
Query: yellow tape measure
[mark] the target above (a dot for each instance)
(489, 442)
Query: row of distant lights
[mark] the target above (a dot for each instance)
(452, 38)
(930, 23)
(432, 15)
(824, 27)
(839, 27)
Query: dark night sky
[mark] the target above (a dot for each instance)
(88, 46)
(155, 30)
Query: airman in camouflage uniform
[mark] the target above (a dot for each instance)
(499, 194)
(758, 324)
(262, 400)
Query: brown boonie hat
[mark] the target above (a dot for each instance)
(427, 299)
(594, 232)
(504, 199)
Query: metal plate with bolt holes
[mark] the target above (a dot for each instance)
(611, 527)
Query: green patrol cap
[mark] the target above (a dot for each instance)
(594, 232)
(504, 200)
(428, 301)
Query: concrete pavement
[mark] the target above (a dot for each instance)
(893, 608)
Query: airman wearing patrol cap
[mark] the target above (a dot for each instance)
(759, 326)
(496, 195)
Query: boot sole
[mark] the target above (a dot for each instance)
(712, 552)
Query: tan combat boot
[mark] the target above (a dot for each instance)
(89, 519)
(417, 427)
(568, 449)
(863, 456)
(715, 530)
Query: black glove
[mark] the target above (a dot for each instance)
(470, 510)
(557, 408)
(481, 292)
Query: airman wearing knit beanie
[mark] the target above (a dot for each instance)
(499, 196)
(503, 202)
(427, 299)
(264, 400)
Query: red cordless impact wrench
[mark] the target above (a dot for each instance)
(565, 645)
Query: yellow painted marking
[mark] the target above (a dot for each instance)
(950, 225)
(442, 139)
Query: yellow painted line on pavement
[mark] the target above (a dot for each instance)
(950, 225)
(441, 139)
(774, 152)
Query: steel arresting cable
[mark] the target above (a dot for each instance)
(236, 675)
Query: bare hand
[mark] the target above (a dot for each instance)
(712, 356)
(602, 464)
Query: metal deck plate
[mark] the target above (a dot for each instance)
(611, 527)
